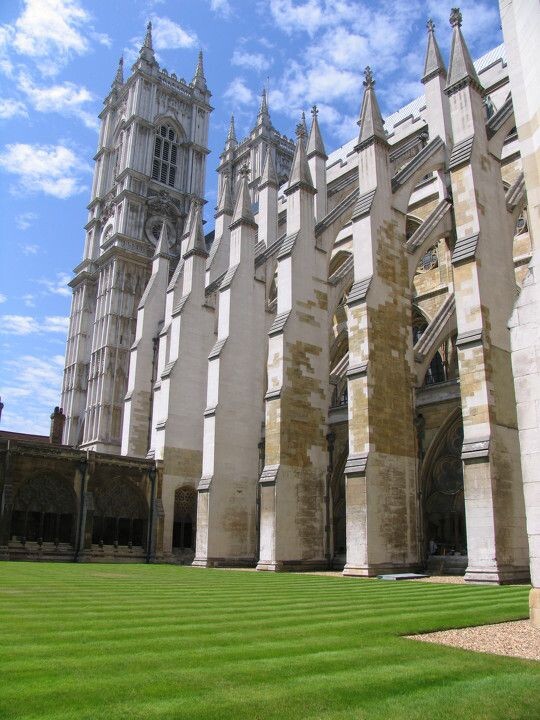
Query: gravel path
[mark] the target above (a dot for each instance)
(517, 639)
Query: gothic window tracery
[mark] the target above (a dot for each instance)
(119, 513)
(165, 162)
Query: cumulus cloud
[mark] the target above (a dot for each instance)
(58, 286)
(238, 93)
(51, 169)
(3, 298)
(66, 98)
(30, 389)
(168, 35)
(51, 32)
(221, 7)
(23, 222)
(29, 249)
(12, 108)
(251, 61)
(29, 325)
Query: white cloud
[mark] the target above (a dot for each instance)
(29, 249)
(51, 32)
(28, 325)
(31, 390)
(52, 169)
(250, 61)
(23, 222)
(3, 298)
(29, 299)
(57, 286)
(12, 108)
(292, 16)
(168, 35)
(221, 7)
(66, 98)
(238, 93)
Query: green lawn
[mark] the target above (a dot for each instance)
(130, 642)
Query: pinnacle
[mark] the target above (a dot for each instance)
(148, 37)
(434, 63)
(300, 172)
(162, 246)
(119, 77)
(263, 116)
(196, 243)
(198, 79)
(242, 209)
(461, 65)
(225, 204)
(269, 176)
(371, 122)
(315, 144)
(231, 141)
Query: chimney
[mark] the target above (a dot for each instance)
(57, 426)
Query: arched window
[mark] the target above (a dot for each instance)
(120, 513)
(165, 161)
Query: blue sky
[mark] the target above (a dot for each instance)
(57, 61)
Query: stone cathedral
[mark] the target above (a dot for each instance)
(325, 380)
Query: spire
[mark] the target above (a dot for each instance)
(371, 122)
(300, 172)
(434, 64)
(119, 77)
(162, 245)
(199, 80)
(231, 141)
(315, 144)
(461, 68)
(263, 118)
(195, 243)
(269, 176)
(225, 205)
(242, 209)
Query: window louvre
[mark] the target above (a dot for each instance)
(165, 155)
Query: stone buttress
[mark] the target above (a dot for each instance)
(227, 495)
(484, 287)
(180, 390)
(292, 484)
(381, 491)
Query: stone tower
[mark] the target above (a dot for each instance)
(150, 163)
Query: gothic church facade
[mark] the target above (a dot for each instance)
(326, 380)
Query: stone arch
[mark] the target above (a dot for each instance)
(120, 513)
(44, 510)
(443, 504)
(185, 519)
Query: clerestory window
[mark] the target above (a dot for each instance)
(165, 155)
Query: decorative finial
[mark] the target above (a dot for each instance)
(369, 81)
(430, 25)
(314, 111)
(119, 77)
(244, 171)
(300, 131)
(456, 17)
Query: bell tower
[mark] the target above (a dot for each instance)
(150, 163)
